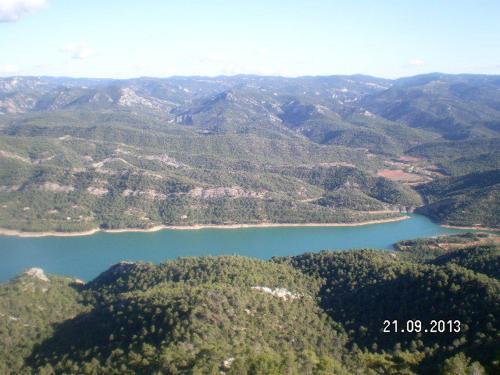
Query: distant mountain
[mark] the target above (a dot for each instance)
(456, 107)
(186, 150)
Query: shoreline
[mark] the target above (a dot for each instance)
(20, 233)
(487, 229)
(17, 233)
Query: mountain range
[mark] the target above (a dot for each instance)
(77, 154)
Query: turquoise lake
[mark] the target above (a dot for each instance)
(87, 256)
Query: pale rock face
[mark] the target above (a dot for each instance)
(151, 194)
(164, 159)
(130, 98)
(101, 163)
(274, 118)
(321, 108)
(226, 364)
(11, 155)
(37, 273)
(282, 293)
(377, 86)
(219, 192)
(55, 187)
(128, 192)
(97, 191)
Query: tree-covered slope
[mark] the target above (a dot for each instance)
(96, 182)
(30, 307)
(424, 250)
(79, 154)
(343, 180)
(457, 107)
(461, 157)
(472, 199)
(314, 313)
(363, 289)
(203, 315)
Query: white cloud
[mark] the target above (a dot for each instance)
(8, 69)
(12, 10)
(416, 62)
(78, 51)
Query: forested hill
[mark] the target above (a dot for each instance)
(472, 199)
(78, 154)
(314, 313)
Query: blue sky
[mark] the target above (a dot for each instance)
(129, 38)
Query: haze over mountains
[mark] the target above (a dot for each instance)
(245, 149)
(454, 106)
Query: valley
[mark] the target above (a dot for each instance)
(249, 187)
(85, 254)
(81, 154)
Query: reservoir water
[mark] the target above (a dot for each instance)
(87, 256)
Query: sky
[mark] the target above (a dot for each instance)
(131, 38)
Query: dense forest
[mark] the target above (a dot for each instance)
(79, 154)
(466, 200)
(316, 313)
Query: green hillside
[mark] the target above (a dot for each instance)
(472, 199)
(312, 313)
(79, 154)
